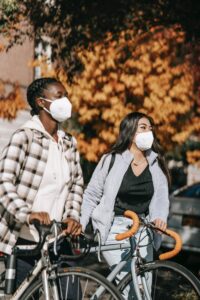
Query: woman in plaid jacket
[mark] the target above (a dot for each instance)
(40, 173)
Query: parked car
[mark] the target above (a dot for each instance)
(184, 217)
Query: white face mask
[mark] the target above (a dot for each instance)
(60, 109)
(144, 140)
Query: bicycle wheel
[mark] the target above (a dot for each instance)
(169, 280)
(75, 284)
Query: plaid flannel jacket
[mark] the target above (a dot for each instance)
(21, 170)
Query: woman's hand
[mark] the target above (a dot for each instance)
(42, 217)
(73, 227)
(160, 224)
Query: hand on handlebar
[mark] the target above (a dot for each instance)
(42, 217)
(73, 227)
(160, 224)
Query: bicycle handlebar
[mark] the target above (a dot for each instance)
(167, 255)
(131, 215)
(177, 247)
(44, 231)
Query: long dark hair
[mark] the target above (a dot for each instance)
(127, 130)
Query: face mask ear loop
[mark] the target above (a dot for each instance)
(46, 99)
(45, 107)
(46, 110)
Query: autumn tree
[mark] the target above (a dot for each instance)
(74, 24)
(193, 145)
(10, 101)
(143, 73)
(11, 98)
(122, 55)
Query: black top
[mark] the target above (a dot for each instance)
(135, 192)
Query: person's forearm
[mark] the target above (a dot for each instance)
(15, 206)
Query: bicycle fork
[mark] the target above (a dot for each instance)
(45, 284)
(54, 288)
(139, 281)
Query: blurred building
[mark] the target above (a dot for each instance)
(15, 64)
(15, 67)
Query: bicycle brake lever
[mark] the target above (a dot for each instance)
(99, 247)
(55, 241)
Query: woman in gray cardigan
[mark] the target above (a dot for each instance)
(138, 181)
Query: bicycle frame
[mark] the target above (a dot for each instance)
(40, 268)
(134, 255)
(27, 282)
(142, 282)
(142, 273)
(43, 269)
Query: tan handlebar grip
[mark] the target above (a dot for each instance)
(129, 214)
(177, 248)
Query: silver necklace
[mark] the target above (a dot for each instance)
(139, 162)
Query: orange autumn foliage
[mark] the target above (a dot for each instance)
(148, 72)
(10, 102)
(193, 157)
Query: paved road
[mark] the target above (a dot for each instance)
(190, 260)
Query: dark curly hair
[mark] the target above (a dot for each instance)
(36, 89)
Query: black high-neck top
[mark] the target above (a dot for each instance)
(135, 192)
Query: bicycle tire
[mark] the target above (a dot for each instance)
(170, 280)
(73, 275)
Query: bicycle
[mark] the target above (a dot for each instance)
(49, 280)
(155, 280)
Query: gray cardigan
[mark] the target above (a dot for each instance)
(100, 194)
